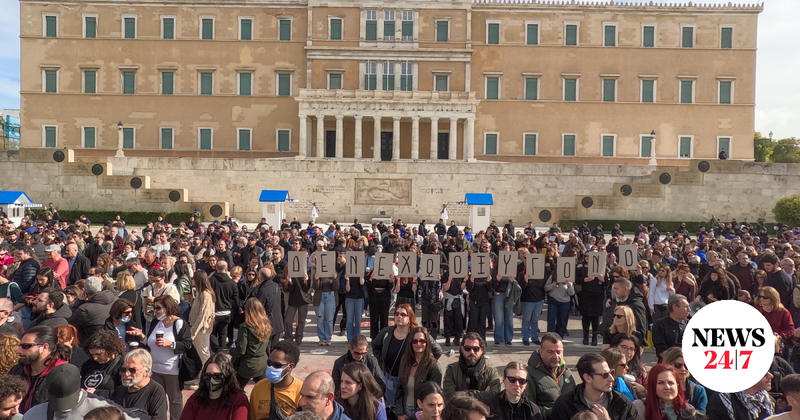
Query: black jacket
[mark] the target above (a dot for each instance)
(667, 333)
(59, 317)
(567, 405)
(636, 303)
(269, 293)
(25, 275)
(380, 345)
(502, 409)
(91, 316)
(226, 291)
(79, 270)
(716, 409)
(369, 360)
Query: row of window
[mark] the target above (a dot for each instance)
(390, 30)
(166, 136)
(608, 145)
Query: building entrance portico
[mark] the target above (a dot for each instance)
(404, 125)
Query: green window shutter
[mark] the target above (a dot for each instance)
(127, 137)
(130, 28)
(531, 88)
(51, 26)
(685, 149)
(407, 30)
(388, 30)
(206, 83)
(51, 81)
(336, 29)
(284, 141)
(284, 84)
(493, 33)
(569, 145)
(166, 138)
(371, 30)
(91, 27)
(334, 81)
(89, 81)
(207, 29)
(406, 82)
(610, 38)
(88, 137)
(571, 90)
(726, 38)
(441, 83)
(285, 30)
(167, 82)
(205, 139)
(441, 31)
(370, 82)
(530, 145)
(246, 29)
(491, 144)
(724, 143)
(388, 82)
(608, 146)
(244, 139)
(571, 35)
(532, 37)
(50, 136)
(649, 36)
(245, 84)
(648, 90)
(492, 87)
(609, 90)
(725, 92)
(168, 28)
(686, 91)
(647, 147)
(687, 37)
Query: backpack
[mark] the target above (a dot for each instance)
(796, 296)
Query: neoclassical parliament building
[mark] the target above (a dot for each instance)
(515, 80)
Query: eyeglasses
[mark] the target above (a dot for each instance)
(276, 365)
(26, 346)
(679, 365)
(128, 312)
(401, 314)
(217, 376)
(619, 315)
(474, 349)
(604, 375)
(124, 370)
(419, 341)
(359, 353)
(515, 380)
(158, 308)
(763, 297)
(622, 365)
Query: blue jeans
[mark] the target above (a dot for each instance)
(530, 319)
(557, 316)
(503, 319)
(325, 312)
(355, 308)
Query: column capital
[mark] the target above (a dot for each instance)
(415, 118)
(396, 118)
(339, 117)
(358, 117)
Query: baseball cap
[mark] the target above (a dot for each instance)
(52, 248)
(63, 387)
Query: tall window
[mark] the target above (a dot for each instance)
(648, 91)
(570, 89)
(724, 143)
(568, 144)
(371, 25)
(490, 143)
(284, 84)
(492, 87)
(370, 75)
(531, 88)
(687, 91)
(129, 82)
(49, 136)
(334, 80)
(608, 141)
(725, 91)
(610, 35)
(206, 83)
(245, 84)
(167, 82)
(388, 25)
(406, 76)
(407, 30)
(442, 31)
(243, 137)
(335, 28)
(51, 81)
(285, 30)
(207, 28)
(529, 144)
(687, 37)
(129, 27)
(648, 36)
(571, 34)
(205, 139)
(90, 26)
(88, 137)
(609, 90)
(726, 37)
(128, 137)
(168, 27)
(532, 34)
(441, 82)
(284, 140)
(90, 81)
(246, 29)
(646, 146)
(166, 138)
(388, 76)
(493, 33)
(51, 26)
(685, 146)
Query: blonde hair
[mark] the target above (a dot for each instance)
(125, 281)
(630, 320)
(256, 318)
(8, 353)
(773, 296)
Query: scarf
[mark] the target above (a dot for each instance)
(469, 371)
(755, 404)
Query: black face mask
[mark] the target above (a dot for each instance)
(214, 384)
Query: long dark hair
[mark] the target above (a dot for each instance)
(230, 384)
(47, 335)
(52, 281)
(409, 359)
(202, 284)
(367, 405)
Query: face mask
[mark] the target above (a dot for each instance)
(125, 320)
(162, 317)
(214, 384)
(274, 375)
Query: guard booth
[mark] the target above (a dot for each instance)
(480, 214)
(272, 206)
(14, 203)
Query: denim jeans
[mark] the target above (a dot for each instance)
(503, 319)
(557, 316)
(355, 308)
(325, 312)
(530, 319)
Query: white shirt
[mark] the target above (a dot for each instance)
(658, 294)
(165, 361)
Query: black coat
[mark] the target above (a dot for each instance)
(501, 409)
(568, 405)
(591, 297)
(91, 316)
(269, 293)
(25, 275)
(80, 269)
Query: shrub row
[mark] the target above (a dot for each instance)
(103, 217)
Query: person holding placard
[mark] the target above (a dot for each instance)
(480, 291)
(590, 297)
(299, 285)
(532, 299)
(502, 312)
(559, 301)
(379, 292)
(454, 308)
(355, 294)
(324, 300)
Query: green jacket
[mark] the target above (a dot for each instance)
(250, 355)
(455, 379)
(544, 387)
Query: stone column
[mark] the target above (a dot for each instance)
(376, 138)
(395, 138)
(339, 136)
(469, 140)
(434, 136)
(357, 153)
(320, 136)
(415, 137)
(452, 152)
(302, 137)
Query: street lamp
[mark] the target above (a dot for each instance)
(770, 136)
(120, 153)
(653, 148)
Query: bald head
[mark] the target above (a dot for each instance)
(222, 266)
(321, 381)
(6, 304)
(317, 394)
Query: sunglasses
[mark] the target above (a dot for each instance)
(124, 370)
(474, 349)
(276, 365)
(217, 376)
(401, 314)
(26, 346)
(357, 353)
(158, 308)
(515, 380)
(619, 315)
(419, 341)
(604, 375)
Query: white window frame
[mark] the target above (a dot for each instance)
(563, 143)
(328, 79)
(652, 144)
(719, 90)
(277, 84)
(83, 136)
(655, 89)
(44, 135)
(436, 29)
(616, 33)
(277, 130)
(691, 146)
(694, 89)
(252, 20)
(536, 143)
(613, 146)
(200, 82)
(83, 80)
(388, 68)
(486, 29)
(525, 86)
(577, 33)
(730, 144)
(538, 32)
(135, 25)
(603, 89)
(199, 138)
(238, 130)
(44, 23)
(694, 34)
(564, 88)
(330, 18)
(174, 26)
(161, 139)
(279, 19)
(239, 83)
(732, 27)
(381, 27)
(134, 138)
(486, 86)
(58, 78)
(97, 24)
(655, 34)
(403, 14)
(213, 27)
(496, 133)
(447, 75)
(414, 79)
(365, 66)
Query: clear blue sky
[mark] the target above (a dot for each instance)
(777, 84)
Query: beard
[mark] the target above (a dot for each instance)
(130, 382)
(30, 359)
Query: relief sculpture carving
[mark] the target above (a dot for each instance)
(383, 191)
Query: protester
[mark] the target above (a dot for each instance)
(140, 394)
(359, 394)
(91, 315)
(417, 366)
(279, 390)
(219, 395)
(65, 398)
(250, 354)
(101, 375)
(12, 391)
(470, 373)
(511, 404)
(201, 315)
(791, 389)
(317, 396)
(39, 352)
(548, 374)
(751, 404)
(668, 331)
(464, 406)
(357, 351)
(695, 393)
(666, 396)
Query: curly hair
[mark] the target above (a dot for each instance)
(8, 353)
(107, 340)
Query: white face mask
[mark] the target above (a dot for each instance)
(162, 317)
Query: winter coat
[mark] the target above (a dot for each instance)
(456, 380)
(567, 405)
(544, 387)
(91, 316)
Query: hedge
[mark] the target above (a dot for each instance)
(631, 225)
(130, 217)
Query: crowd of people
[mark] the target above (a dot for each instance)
(107, 322)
